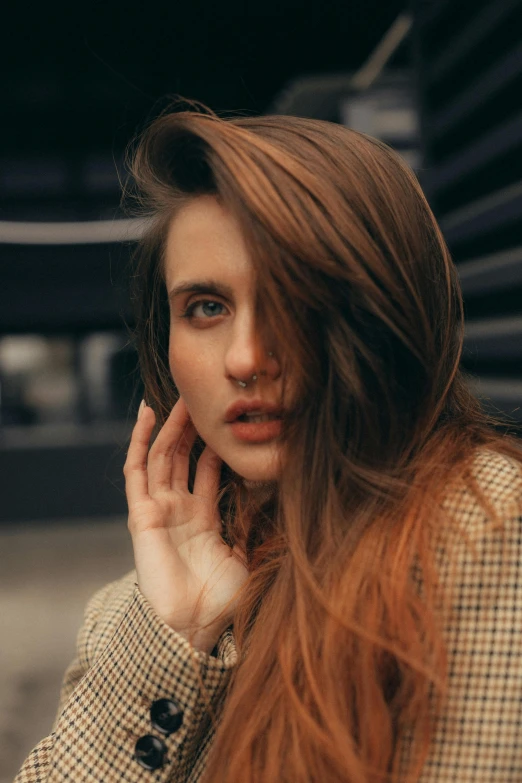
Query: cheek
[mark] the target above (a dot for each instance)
(179, 353)
(178, 369)
(173, 364)
(177, 363)
(185, 371)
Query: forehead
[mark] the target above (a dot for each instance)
(205, 238)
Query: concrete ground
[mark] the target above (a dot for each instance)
(47, 573)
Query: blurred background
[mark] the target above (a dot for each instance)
(438, 80)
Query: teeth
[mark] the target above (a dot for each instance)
(256, 417)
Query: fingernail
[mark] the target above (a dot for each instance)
(141, 408)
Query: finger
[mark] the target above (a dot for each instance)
(208, 472)
(181, 457)
(161, 453)
(135, 468)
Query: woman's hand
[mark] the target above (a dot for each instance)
(178, 549)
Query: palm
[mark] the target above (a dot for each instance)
(177, 559)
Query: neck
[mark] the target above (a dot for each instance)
(260, 490)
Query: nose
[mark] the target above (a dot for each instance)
(248, 355)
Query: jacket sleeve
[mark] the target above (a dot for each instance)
(136, 690)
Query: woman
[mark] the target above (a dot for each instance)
(326, 528)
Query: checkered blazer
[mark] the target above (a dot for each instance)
(128, 660)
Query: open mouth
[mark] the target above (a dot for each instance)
(254, 419)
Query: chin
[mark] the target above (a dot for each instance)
(254, 470)
(253, 478)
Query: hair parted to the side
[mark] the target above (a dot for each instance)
(341, 656)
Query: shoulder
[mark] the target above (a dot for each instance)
(479, 550)
(103, 614)
(499, 478)
(479, 543)
(499, 473)
(482, 628)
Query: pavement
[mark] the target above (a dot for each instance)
(48, 571)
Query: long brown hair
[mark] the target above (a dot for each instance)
(341, 654)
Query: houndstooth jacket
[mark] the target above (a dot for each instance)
(131, 707)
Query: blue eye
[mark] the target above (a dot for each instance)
(188, 313)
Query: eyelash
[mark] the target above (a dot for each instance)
(187, 313)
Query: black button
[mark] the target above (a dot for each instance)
(166, 716)
(149, 752)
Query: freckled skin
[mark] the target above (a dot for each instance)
(209, 352)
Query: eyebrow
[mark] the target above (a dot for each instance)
(201, 287)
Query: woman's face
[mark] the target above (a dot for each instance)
(215, 346)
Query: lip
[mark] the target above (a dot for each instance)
(256, 432)
(246, 406)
